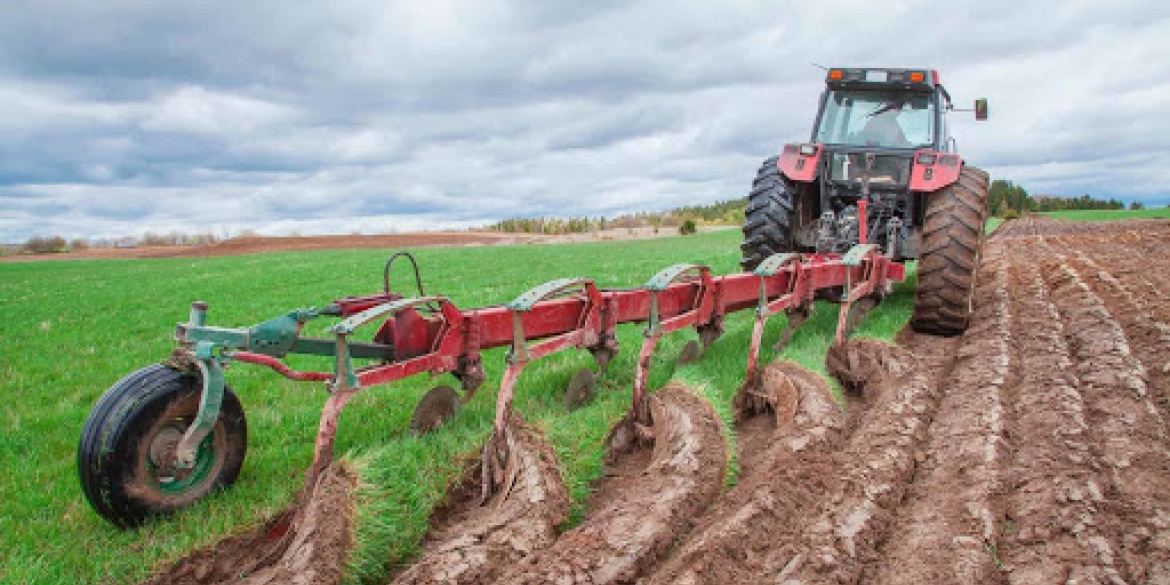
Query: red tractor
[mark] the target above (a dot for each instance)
(881, 168)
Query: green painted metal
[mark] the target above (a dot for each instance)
(344, 375)
(529, 298)
(198, 316)
(659, 282)
(275, 337)
(772, 264)
(225, 337)
(200, 471)
(858, 253)
(351, 324)
(210, 401)
(357, 349)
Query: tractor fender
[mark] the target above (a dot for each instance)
(798, 162)
(933, 170)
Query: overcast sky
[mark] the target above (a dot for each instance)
(122, 116)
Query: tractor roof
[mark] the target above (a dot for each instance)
(882, 78)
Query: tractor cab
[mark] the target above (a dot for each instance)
(889, 113)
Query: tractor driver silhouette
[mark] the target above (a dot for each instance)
(883, 129)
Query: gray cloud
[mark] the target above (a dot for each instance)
(126, 116)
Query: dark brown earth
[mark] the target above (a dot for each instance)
(1032, 449)
(1047, 459)
(308, 544)
(637, 521)
(473, 542)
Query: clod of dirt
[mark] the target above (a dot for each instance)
(638, 525)
(472, 542)
(308, 544)
(862, 363)
(732, 542)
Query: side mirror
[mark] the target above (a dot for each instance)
(981, 109)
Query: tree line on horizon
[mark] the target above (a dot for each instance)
(1008, 200)
(728, 212)
(1005, 199)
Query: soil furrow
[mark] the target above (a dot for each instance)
(878, 463)
(949, 525)
(820, 517)
(637, 527)
(309, 544)
(1056, 490)
(734, 539)
(1129, 431)
(470, 542)
(1148, 337)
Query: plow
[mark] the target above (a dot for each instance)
(834, 219)
(186, 447)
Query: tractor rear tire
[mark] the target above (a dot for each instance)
(768, 219)
(128, 442)
(948, 264)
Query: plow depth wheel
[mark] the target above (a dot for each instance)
(126, 455)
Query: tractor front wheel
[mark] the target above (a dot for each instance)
(948, 264)
(126, 455)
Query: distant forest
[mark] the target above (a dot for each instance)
(1005, 199)
(722, 213)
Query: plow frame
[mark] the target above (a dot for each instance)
(430, 334)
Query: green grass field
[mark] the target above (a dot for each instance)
(68, 330)
(1111, 215)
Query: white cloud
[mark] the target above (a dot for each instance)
(284, 117)
(195, 110)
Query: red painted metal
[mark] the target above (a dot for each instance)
(448, 340)
(862, 221)
(437, 341)
(925, 178)
(354, 305)
(279, 367)
(797, 166)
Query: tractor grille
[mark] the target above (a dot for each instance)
(888, 171)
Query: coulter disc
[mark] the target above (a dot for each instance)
(581, 389)
(437, 405)
(691, 351)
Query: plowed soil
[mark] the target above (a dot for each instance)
(639, 513)
(473, 542)
(1034, 449)
(308, 544)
